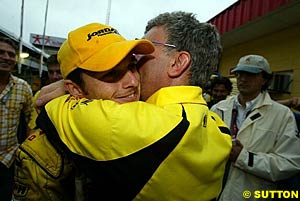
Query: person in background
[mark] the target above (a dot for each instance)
(15, 101)
(294, 104)
(206, 93)
(265, 135)
(220, 88)
(35, 84)
(53, 67)
(54, 75)
(156, 167)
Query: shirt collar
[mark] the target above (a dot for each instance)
(249, 104)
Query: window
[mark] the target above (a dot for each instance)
(281, 82)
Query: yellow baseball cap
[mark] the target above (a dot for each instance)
(97, 47)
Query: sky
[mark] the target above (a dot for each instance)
(129, 17)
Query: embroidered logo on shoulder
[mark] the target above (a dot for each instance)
(31, 137)
(86, 102)
(20, 190)
(74, 105)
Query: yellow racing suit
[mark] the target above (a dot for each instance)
(41, 172)
(171, 149)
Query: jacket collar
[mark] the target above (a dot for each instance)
(264, 100)
(177, 94)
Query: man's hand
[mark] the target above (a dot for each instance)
(50, 92)
(235, 150)
(295, 103)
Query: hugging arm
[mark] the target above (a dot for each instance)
(50, 92)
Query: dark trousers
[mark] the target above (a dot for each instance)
(6, 182)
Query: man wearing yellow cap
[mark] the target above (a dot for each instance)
(175, 150)
(43, 172)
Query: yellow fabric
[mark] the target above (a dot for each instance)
(34, 113)
(104, 130)
(90, 47)
(194, 170)
(113, 131)
(40, 171)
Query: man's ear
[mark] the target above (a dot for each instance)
(74, 89)
(180, 63)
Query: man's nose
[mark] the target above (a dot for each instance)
(132, 78)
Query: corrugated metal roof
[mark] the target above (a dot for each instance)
(244, 11)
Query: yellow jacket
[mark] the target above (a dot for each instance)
(34, 113)
(41, 173)
(175, 150)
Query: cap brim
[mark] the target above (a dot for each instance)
(113, 54)
(249, 69)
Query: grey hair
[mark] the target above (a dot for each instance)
(201, 40)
